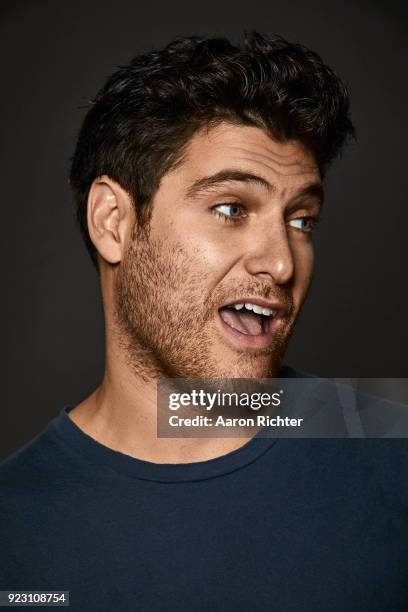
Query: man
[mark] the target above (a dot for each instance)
(198, 181)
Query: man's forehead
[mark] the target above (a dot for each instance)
(248, 148)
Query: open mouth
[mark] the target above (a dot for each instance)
(249, 319)
(250, 324)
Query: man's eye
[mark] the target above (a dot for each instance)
(229, 210)
(305, 224)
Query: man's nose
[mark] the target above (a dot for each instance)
(269, 253)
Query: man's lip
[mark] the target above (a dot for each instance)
(280, 308)
(248, 341)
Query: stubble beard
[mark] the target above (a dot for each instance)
(163, 319)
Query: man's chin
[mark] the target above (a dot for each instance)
(256, 367)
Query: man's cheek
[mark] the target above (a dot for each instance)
(303, 256)
(303, 274)
(217, 253)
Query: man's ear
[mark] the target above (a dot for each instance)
(110, 216)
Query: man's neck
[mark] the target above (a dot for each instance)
(122, 415)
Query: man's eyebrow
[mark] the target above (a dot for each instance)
(313, 190)
(226, 176)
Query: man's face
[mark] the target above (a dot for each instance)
(228, 228)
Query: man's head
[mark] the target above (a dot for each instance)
(198, 181)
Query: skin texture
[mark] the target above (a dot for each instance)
(162, 285)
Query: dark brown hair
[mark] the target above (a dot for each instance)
(147, 111)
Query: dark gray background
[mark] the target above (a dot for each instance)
(55, 55)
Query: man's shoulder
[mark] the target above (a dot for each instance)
(29, 466)
(25, 458)
(39, 468)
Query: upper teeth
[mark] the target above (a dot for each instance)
(257, 309)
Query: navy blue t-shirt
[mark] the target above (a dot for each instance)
(278, 524)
